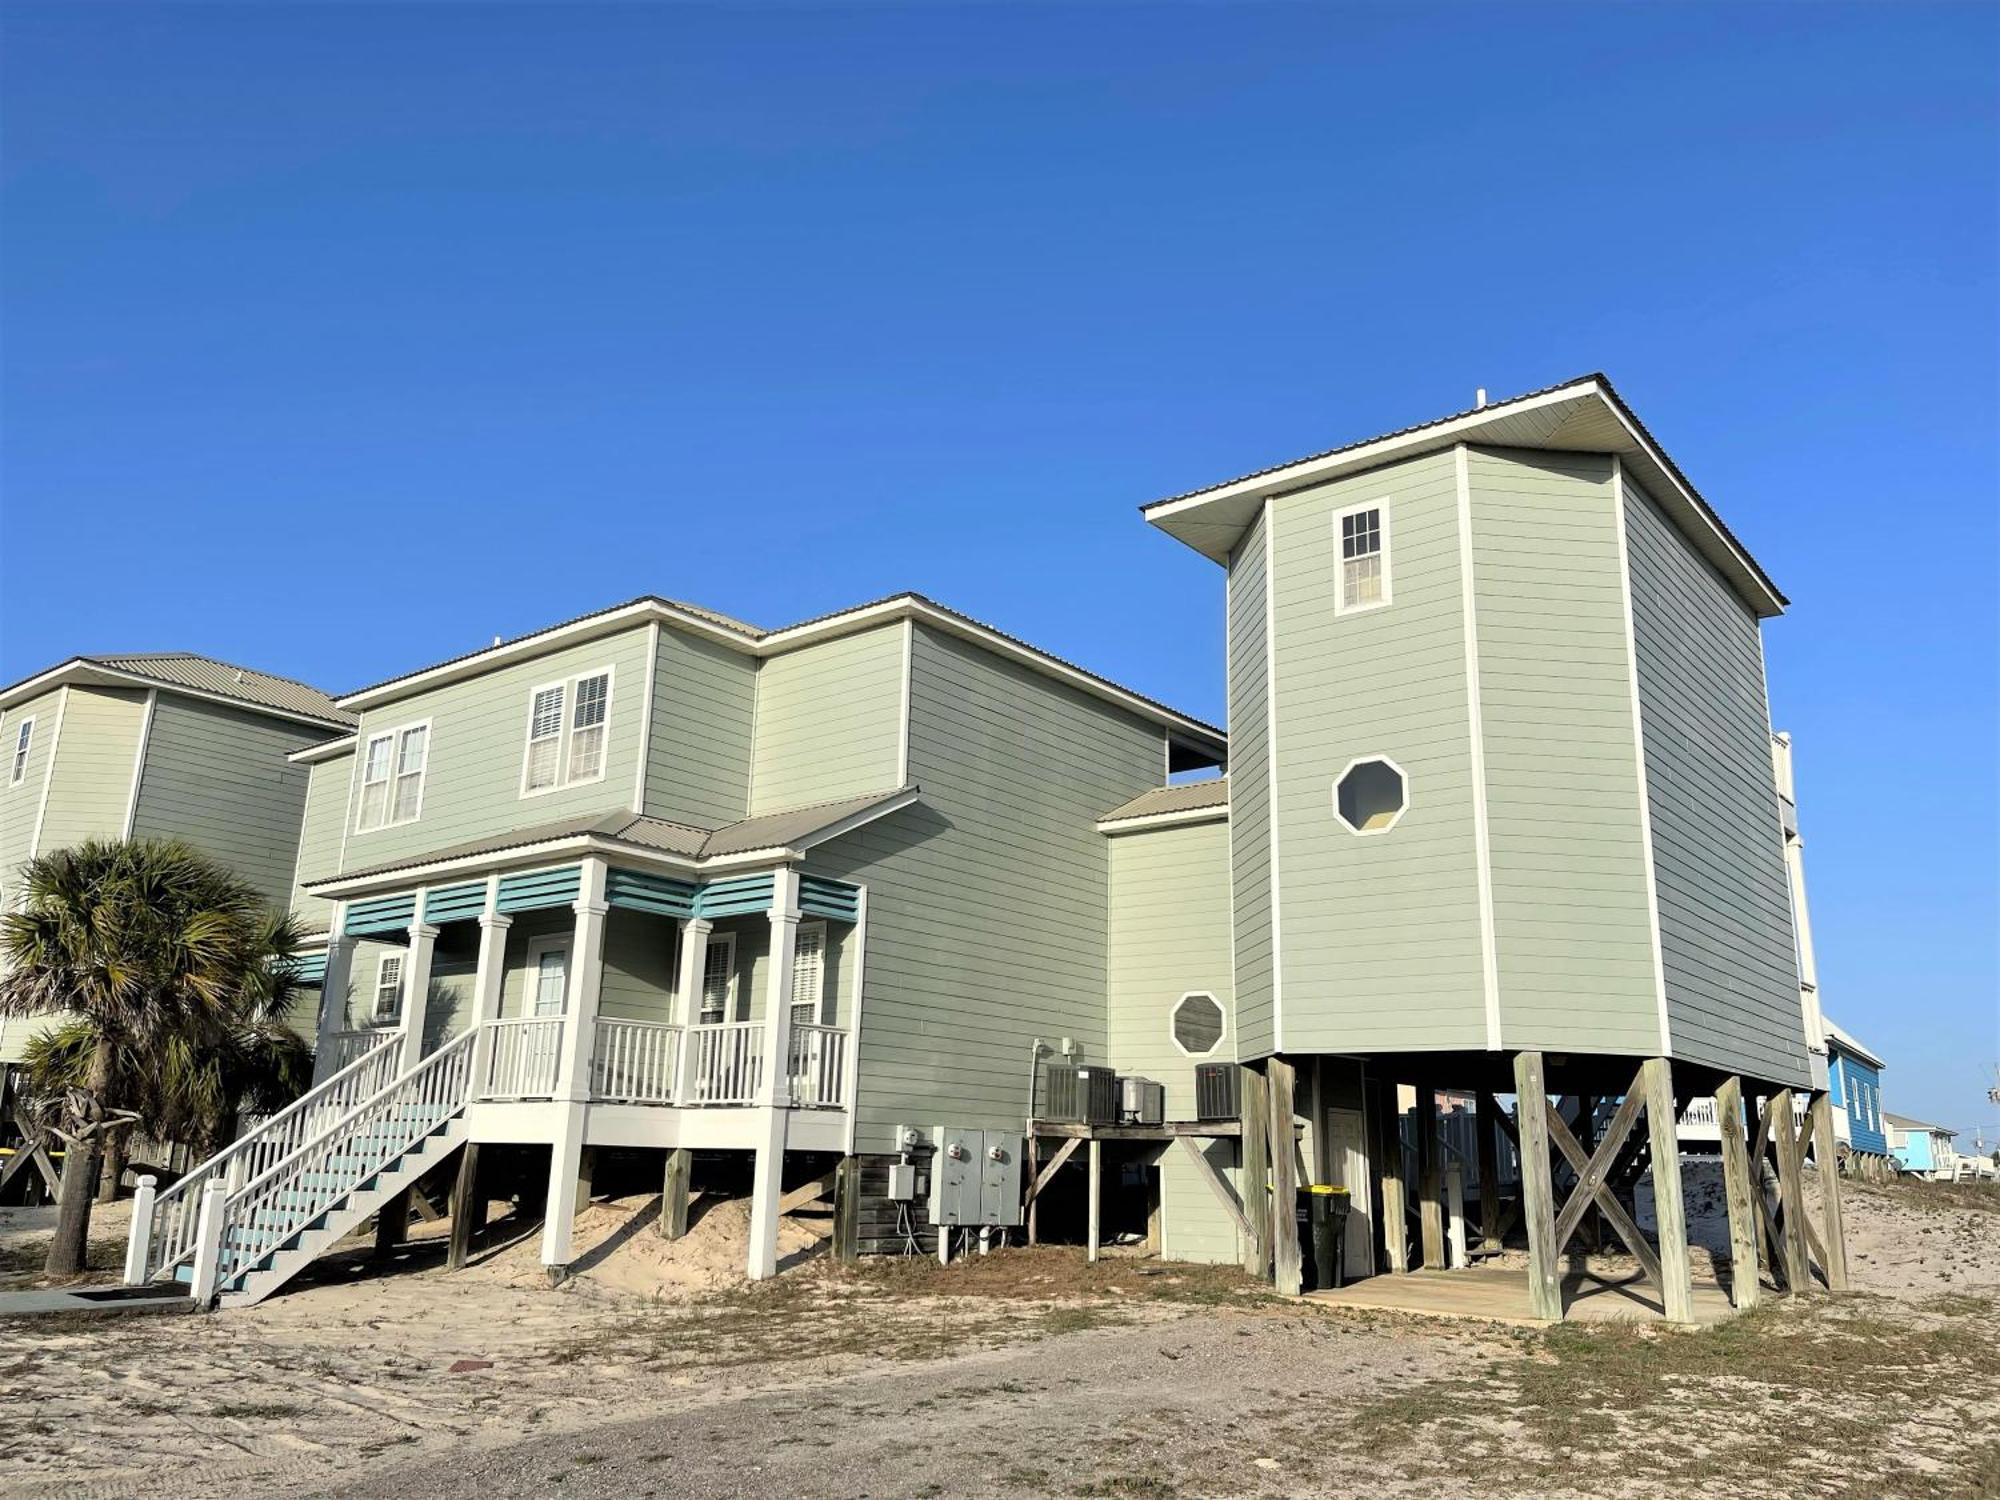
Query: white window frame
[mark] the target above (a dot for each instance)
(1409, 796)
(539, 949)
(818, 1001)
(717, 940)
(376, 1015)
(1383, 551)
(568, 686)
(21, 752)
(395, 738)
(1173, 1014)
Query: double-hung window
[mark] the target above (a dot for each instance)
(1362, 535)
(389, 988)
(718, 978)
(567, 723)
(392, 777)
(808, 973)
(24, 739)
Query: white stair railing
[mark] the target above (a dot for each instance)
(818, 1066)
(525, 1058)
(167, 1239)
(728, 1061)
(634, 1061)
(264, 1214)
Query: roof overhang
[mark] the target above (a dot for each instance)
(1190, 734)
(81, 671)
(1145, 821)
(1583, 416)
(422, 871)
(312, 755)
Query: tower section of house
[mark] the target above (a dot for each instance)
(160, 745)
(1502, 798)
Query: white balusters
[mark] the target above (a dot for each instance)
(635, 1061)
(727, 1062)
(818, 1066)
(523, 1058)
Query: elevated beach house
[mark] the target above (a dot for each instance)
(165, 745)
(894, 894)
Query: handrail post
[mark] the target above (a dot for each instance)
(208, 1245)
(139, 1248)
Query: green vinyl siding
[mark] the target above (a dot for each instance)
(698, 763)
(1194, 1226)
(1381, 947)
(478, 745)
(1250, 791)
(1572, 933)
(829, 721)
(987, 899)
(1169, 935)
(20, 804)
(90, 787)
(319, 837)
(217, 777)
(1718, 855)
(639, 972)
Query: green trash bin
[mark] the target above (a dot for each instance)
(1322, 1234)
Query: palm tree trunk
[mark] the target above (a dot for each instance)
(117, 1151)
(79, 1178)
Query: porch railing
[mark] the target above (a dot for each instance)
(727, 1063)
(818, 1066)
(525, 1058)
(344, 1047)
(634, 1061)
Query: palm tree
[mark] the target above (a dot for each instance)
(162, 957)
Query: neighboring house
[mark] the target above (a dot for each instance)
(1855, 1086)
(1921, 1149)
(1501, 815)
(166, 744)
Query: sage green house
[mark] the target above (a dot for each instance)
(161, 745)
(1501, 811)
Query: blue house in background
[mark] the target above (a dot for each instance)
(1854, 1084)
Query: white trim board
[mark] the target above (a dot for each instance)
(1482, 836)
(139, 769)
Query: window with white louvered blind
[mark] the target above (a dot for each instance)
(718, 978)
(809, 974)
(567, 725)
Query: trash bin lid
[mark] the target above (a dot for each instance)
(1327, 1188)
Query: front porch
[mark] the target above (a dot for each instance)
(606, 1004)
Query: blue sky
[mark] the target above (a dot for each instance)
(338, 339)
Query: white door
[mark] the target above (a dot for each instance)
(1347, 1130)
(548, 975)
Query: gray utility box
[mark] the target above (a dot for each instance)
(976, 1177)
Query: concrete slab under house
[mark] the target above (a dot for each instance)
(893, 908)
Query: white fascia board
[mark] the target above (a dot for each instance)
(1177, 517)
(81, 671)
(611, 622)
(421, 871)
(325, 750)
(1115, 826)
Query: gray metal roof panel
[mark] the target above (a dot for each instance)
(1183, 796)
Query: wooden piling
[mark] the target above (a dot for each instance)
(674, 1193)
(1833, 1216)
(1738, 1190)
(1256, 1140)
(1287, 1266)
(1430, 1179)
(468, 1207)
(1791, 1191)
(1488, 1163)
(1538, 1202)
(1669, 1204)
(847, 1210)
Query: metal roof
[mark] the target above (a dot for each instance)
(1185, 796)
(205, 675)
(788, 828)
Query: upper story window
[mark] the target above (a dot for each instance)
(389, 987)
(24, 738)
(566, 728)
(1362, 532)
(392, 777)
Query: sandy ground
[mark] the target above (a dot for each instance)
(1027, 1374)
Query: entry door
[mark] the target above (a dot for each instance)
(1350, 1165)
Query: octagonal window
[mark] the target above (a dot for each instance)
(1371, 795)
(1197, 1023)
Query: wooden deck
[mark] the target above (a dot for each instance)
(1501, 1296)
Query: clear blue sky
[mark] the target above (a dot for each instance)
(339, 339)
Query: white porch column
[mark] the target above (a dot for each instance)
(687, 998)
(333, 997)
(487, 982)
(774, 1086)
(586, 979)
(417, 986)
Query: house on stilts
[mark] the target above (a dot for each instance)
(894, 906)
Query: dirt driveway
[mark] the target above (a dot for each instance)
(1027, 1374)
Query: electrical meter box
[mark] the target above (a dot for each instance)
(902, 1181)
(975, 1177)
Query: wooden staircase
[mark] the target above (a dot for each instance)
(240, 1240)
